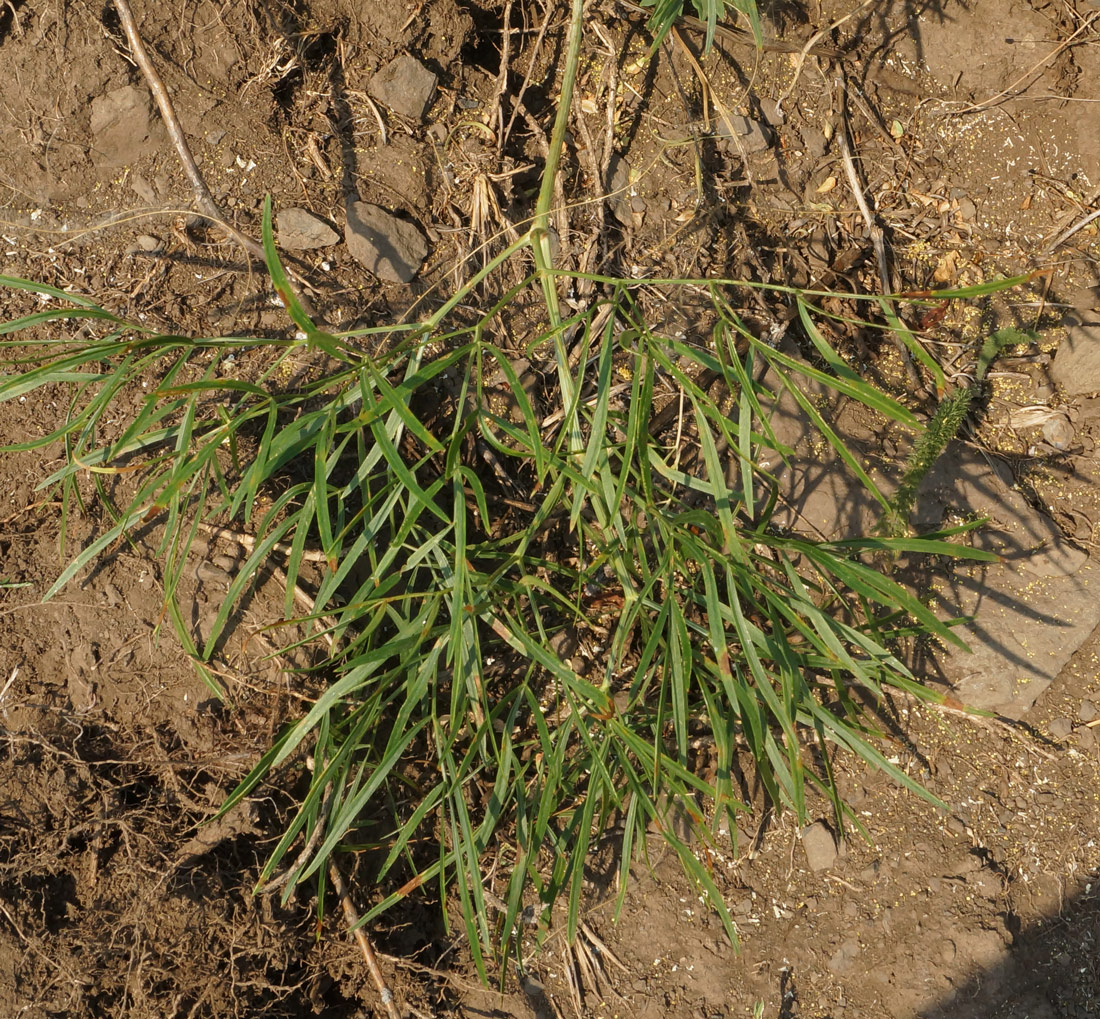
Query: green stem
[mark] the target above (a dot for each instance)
(540, 227)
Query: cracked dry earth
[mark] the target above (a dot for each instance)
(374, 127)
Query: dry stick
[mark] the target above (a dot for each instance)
(709, 94)
(1066, 235)
(246, 541)
(517, 104)
(351, 915)
(587, 155)
(878, 239)
(1009, 93)
(278, 881)
(952, 706)
(203, 198)
(873, 229)
(1065, 221)
(502, 79)
(378, 117)
(612, 94)
(809, 48)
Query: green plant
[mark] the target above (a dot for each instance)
(665, 13)
(763, 639)
(447, 710)
(948, 418)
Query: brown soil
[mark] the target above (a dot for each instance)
(973, 131)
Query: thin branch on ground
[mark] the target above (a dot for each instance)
(709, 96)
(246, 541)
(517, 103)
(351, 915)
(1010, 92)
(279, 880)
(502, 78)
(808, 48)
(878, 237)
(203, 198)
(1061, 239)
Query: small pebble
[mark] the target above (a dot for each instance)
(773, 115)
(1087, 711)
(143, 189)
(147, 242)
(819, 846)
(1060, 728)
(1059, 432)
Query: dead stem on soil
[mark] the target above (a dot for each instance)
(517, 103)
(709, 96)
(246, 541)
(877, 235)
(994, 723)
(1067, 234)
(351, 915)
(279, 880)
(502, 77)
(808, 48)
(1010, 92)
(203, 198)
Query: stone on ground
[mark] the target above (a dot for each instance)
(753, 136)
(391, 248)
(819, 846)
(300, 230)
(1076, 365)
(1031, 611)
(404, 85)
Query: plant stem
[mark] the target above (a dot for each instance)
(540, 227)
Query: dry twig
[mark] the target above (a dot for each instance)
(809, 48)
(1067, 234)
(351, 915)
(502, 78)
(877, 235)
(246, 541)
(203, 198)
(517, 104)
(1009, 92)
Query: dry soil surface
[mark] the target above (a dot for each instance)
(396, 140)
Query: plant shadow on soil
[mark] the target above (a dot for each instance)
(1052, 971)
